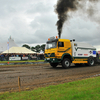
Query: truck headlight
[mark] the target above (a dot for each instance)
(53, 59)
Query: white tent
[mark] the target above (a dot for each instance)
(4, 46)
(19, 50)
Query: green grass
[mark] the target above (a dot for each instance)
(88, 89)
(22, 61)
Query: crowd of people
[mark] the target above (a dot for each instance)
(5, 57)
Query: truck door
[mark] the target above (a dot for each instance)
(60, 48)
(64, 47)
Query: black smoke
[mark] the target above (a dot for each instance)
(65, 6)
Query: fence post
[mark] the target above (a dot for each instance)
(19, 83)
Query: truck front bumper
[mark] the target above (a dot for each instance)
(52, 60)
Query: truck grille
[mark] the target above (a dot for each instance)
(50, 55)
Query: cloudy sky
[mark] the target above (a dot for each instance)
(34, 21)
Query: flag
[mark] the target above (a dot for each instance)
(8, 44)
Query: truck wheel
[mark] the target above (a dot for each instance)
(91, 61)
(66, 63)
(54, 65)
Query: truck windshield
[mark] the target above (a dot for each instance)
(51, 45)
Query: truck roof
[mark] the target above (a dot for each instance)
(67, 40)
(83, 45)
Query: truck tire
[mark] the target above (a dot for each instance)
(54, 65)
(66, 63)
(91, 61)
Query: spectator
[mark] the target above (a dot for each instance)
(29, 57)
(5, 56)
(2, 57)
(23, 55)
(12, 55)
(17, 55)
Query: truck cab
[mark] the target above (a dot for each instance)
(56, 50)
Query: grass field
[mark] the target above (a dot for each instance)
(21, 61)
(88, 89)
(18, 63)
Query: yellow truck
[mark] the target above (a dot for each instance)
(65, 52)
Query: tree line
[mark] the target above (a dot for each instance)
(37, 48)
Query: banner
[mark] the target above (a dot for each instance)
(24, 58)
(14, 58)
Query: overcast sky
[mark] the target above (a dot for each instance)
(34, 21)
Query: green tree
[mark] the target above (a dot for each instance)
(33, 48)
(37, 48)
(27, 46)
(43, 47)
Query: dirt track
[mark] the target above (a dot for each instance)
(42, 75)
